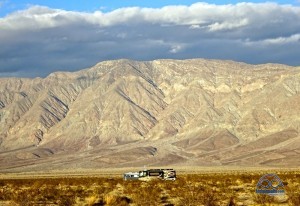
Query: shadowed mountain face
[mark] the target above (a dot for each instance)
(164, 112)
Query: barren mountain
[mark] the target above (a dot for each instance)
(163, 112)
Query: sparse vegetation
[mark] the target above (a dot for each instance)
(209, 189)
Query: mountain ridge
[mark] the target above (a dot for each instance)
(130, 107)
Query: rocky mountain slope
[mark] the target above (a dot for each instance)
(163, 112)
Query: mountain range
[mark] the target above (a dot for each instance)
(125, 113)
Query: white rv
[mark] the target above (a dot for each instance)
(164, 174)
(131, 176)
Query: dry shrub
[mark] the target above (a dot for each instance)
(92, 200)
(294, 194)
(144, 193)
(294, 199)
(21, 198)
(115, 200)
(110, 199)
(231, 202)
(263, 199)
(198, 196)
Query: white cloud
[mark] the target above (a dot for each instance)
(176, 48)
(275, 41)
(228, 25)
(73, 40)
(195, 26)
(283, 40)
(218, 17)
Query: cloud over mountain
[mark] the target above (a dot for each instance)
(40, 40)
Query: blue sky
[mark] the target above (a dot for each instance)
(9, 6)
(41, 37)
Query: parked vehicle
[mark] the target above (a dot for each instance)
(131, 176)
(164, 174)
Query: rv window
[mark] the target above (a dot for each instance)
(154, 174)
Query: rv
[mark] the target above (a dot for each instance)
(131, 176)
(164, 174)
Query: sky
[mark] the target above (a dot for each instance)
(41, 37)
